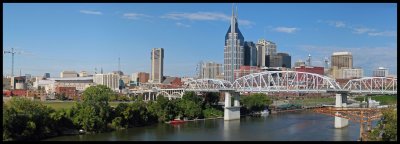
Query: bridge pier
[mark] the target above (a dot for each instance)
(341, 101)
(231, 112)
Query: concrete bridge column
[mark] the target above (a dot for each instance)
(231, 112)
(341, 101)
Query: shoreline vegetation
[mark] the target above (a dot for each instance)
(24, 119)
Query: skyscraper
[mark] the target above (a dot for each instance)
(286, 60)
(210, 70)
(157, 65)
(342, 59)
(233, 50)
(265, 48)
(250, 54)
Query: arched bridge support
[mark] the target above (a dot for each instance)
(231, 112)
(341, 101)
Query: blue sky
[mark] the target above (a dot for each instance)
(56, 37)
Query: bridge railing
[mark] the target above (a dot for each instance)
(373, 85)
(285, 81)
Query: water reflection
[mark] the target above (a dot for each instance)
(288, 126)
(229, 128)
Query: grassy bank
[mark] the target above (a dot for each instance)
(313, 101)
(383, 99)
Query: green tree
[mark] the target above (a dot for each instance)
(386, 129)
(94, 112)
(24, 119)
(255, 102)
(211, 98)
(191, 96)
(163, 109)
(190, 109)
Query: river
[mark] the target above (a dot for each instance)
(287, 126)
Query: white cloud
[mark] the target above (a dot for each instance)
(91, 12)
(182, 25)
(362, 30)
(205, 16)
(339, 24)
(384, 33)
(197, 16)
(335, 23)
(286, 29)
(134, 16)
(359, 29)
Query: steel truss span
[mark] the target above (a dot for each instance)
(285, 81)
(372, 85)
(208, 85)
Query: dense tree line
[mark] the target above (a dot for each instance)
(24, 119)
(254, 103)
(386, 130)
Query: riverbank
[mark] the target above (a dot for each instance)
(288, 126)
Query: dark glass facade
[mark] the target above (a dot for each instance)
(286, 60)
(250, 54)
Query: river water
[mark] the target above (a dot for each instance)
(287, 126)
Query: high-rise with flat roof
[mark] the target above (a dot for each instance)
(234, 49)
(264, 50)
(342, 59)
(210, 70)
(250, 54)
(157, 65)
(110, 80)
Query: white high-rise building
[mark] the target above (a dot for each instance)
(110, 80)
(233, 50)
(210, 70)
(264, 48)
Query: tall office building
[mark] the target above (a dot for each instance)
(110, 80)
(286, 60)
(265, 48)
(233, 50)
(340, 61)
(250, 54)
(210, 70)
(140, 77)
(157, 65)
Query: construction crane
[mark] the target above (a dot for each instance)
(12, 52)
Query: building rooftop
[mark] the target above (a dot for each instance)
(69, 72)
(168, 80)
(74, 78)
(341, 53)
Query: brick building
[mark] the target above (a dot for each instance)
(70, 92)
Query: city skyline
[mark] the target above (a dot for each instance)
(83, 37)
